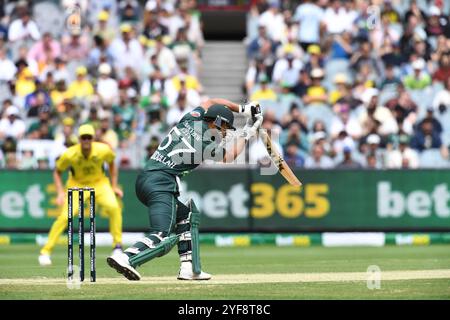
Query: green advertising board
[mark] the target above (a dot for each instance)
(245, 200)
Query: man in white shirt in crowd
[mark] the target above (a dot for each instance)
(107, 87)
(287, 68)
(23, 29)
(7, 67)
(403, 156)
(273, 20)
(127, 51)
(11, 125)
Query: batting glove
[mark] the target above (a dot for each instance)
(250, 109)
(251, 130)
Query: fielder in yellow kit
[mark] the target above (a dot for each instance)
(85, 162)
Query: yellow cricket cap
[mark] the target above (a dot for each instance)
(125, 27)
(314, 49)
(68, 121)
(26, 72)
(103, 16)
(81, 70)
(86, 130)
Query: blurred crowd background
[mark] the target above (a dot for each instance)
(353, 84)
(343, 83)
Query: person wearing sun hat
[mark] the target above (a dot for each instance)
(102, 27)
(420, 78)
(80, 88)
(126, 50)
(85, 162)
(316, 92)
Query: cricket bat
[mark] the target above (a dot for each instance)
(275, 156)
(278, 160)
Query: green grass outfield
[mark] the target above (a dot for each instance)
(256, 272)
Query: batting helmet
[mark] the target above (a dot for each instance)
(219, 114)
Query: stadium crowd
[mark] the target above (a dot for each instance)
(129, 68)
(352, 83)
(343, 83)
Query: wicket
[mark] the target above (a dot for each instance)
(81, 231)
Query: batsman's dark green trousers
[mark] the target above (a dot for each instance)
(158, 190)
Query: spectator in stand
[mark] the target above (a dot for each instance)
(165, 58)
(102, 28)
(7, 67)
(443, 71)
(107, 87)
(309, 16)
(25, 84)
(81, 88)
(315, 60)
(75, 48)
(348, 162)
(371, 162)
(420, 78)
(45, 51)
(345, 121)
(390, 79)
(372, 110)
(303, 82)
(261, 45)
(11, 125)
(441, 101)
(318, 159)
(23, 29)
(273, 21)
(342, 91)
(107, 135)
(294, 135)
(257, 67)
(27, 160)
(38, 98)
(316, 92)
(287, 70)
(292, 156)
(335, 18)
(129, 11)
(373, 149)
(435, 24)
(404, 110)
(341, 47)
(426, 137)
(178, 111)
(126, 50)
(264, 92)
(152, 27)
(402, 156)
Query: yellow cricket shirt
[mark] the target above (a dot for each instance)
(86, 170)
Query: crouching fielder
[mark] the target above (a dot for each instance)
(198, 136)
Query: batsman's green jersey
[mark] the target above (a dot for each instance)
(186, 146)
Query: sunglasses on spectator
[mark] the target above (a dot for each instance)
(86, 137)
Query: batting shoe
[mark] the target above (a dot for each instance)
(120, 262)
(117, 249)
(186, 273)
(44, 260)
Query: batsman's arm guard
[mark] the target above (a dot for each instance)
(153, 250)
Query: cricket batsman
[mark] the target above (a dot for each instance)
(85, 162)
(199, 135)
